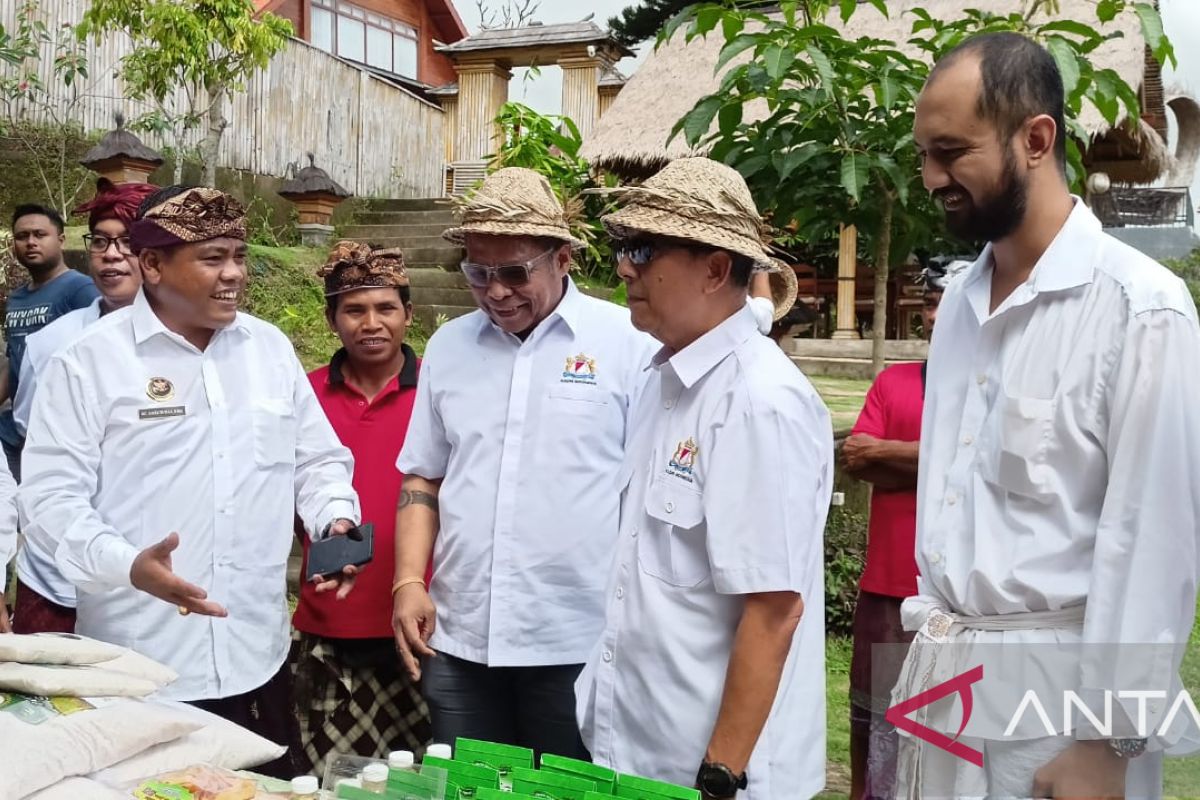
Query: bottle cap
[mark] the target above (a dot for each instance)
(305, 784)
(375, 772)
(439, 751)
(401, 759)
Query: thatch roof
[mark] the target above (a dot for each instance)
(312, 180)
(631, 138)
(119, 143)
(535, 35)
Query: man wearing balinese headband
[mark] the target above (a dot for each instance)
(168, 447)
(45, 599)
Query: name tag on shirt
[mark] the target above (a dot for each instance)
(161, 412)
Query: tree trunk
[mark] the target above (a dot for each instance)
(883, 246)
(217, 123)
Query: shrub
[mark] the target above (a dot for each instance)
(845, 555)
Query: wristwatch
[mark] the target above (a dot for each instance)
(718, 781)
(1127, 748)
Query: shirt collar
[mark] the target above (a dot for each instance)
(1066, 264)
(407, 379)
(570, 309)
(699, 358)
(146, 323)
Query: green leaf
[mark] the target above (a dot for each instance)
(1069, 26)
(824, 68)
(854, 174)
(888, 91)
(697, 122)
(1107, 10)
(753, 165)
(706, 20)
(729, 117)
(777, 60)
(731, 26)
(898, 180)
(847, 8)
(880, 6)
(739, 45)
(795, 158)
(1068, 64)
(1152, 31)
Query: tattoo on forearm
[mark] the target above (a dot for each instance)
(409, 497)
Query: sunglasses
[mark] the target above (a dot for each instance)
(639, 252)
(99, 243)
(480, 276)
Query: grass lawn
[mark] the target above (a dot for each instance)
(843, 396)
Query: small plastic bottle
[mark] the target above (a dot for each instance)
(439, 751)
(401, 760)
(305, 787)
(374, 778)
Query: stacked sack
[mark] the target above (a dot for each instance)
(73, 723)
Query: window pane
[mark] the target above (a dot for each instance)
(406, 56)
(322, 29)
(379, 48)
(350, 38)
(405, 30)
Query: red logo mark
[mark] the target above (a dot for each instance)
(960, 685)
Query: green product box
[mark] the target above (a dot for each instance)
(604, 778)
(405, 784)
(464, 775)
(348, 792)
(500, 757)
(632, 787)
(600, 796)
(497, 794)
(550, 786)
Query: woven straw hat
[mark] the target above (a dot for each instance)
(784, 287)
(697, 200)
(513, 201)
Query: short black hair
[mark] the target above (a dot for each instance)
(1020, 79)
(35, 209)
(161, 196)
(331, 301)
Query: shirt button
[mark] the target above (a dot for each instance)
(936, 558)
(981, 379)
(634, 534)
(968, 440)
(362, 402)
(951, 499)
(669, 506)
(607, 655)
(668, 403)
(620, 592)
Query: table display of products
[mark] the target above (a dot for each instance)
(482, 770)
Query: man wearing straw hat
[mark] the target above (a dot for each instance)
(517, 436)
(710, 667)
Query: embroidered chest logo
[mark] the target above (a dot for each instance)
(579, 369)
(160, 390)
(683, 463)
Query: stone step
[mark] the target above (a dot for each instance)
(408, 204)
(893, 349)
(427, 315)
(442, 296)
(427, 216)
(436, 277)
(398, 225)
(840, 367)
(445, 265)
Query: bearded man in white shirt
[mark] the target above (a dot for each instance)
(1060, 453)
(517, 435)
(710, 667)
(168, 446)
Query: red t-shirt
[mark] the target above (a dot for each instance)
(374, 432)
(892, 411)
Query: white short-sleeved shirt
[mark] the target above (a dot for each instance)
(1060, 450)
(35, 568)
(528, 438)
(728, 481)
(135, 433)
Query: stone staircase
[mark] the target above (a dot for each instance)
(438, 288)
(849, 358)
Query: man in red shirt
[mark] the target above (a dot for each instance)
(351, 692)
(882, 450)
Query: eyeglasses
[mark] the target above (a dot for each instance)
(639, 252)
(480, 276)
(99, 243)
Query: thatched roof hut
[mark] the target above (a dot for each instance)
(631, 138)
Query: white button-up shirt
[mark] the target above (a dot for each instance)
(1060, 448)
(35, 567)
(729, 475)
(134, 434)
(528, 438)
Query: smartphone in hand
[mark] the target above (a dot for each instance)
(327, 557)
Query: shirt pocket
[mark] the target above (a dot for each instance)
(1017, 461)
(572, 398)
(673, 548)
(274, 423)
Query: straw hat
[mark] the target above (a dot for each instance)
(513, 201)
(784, 287)
(697, 200)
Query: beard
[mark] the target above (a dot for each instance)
(997, 214)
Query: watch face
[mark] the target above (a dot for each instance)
(717, 782)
